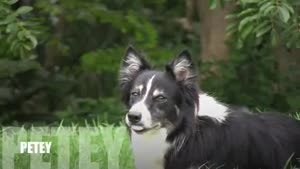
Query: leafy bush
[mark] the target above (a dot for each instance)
(60, 59)
(107, 110)
(20, 33)
(253, 75)
(266, 21)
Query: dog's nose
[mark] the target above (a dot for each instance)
(134, 117)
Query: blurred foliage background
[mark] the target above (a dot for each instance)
(59, 59)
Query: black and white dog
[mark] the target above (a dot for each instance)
(174, 126)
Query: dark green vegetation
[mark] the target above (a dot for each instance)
(60, 59)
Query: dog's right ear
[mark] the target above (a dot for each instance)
(132, 64)
(182, 68)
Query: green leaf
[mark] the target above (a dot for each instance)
(27, 47)
(247, 11)
(268, 10)
(212, 4)
(32, 39)
(246, 31)
(8, 20)
(287, 6)
(246, 21)
(265, 6)
(12, 27)
(260, 3)
(262, 25)
(23, 10)
(239, 44)
(250, 1)
(284, 14)
(263, 30)
(231, 27)
(231, 16)
(10, 2)
(21, 35)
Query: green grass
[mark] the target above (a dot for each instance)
(104, 147)
(296, 116)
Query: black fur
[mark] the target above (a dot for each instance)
(244, 141)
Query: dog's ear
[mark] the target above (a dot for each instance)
(182, 68)
(133, 63)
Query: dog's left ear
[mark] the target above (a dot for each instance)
(182, 68)
(133, 64)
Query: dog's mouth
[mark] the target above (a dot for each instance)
(143, 129)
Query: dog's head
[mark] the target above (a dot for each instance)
(155, 98)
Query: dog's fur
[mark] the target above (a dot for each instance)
(179, 127)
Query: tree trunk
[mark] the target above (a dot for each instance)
(288, 62)
(213, 30)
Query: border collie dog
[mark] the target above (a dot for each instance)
(173, 125)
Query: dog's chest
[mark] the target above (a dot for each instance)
(149, 149)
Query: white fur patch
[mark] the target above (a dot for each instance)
(157, 92)
(142, 108)
(140, 88)
(209, 106)
(148, 87)
(149, 148)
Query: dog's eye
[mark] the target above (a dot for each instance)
(134, 93)
(160, 98)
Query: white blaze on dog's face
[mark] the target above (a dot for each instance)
(153, 97)
(140, 106)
